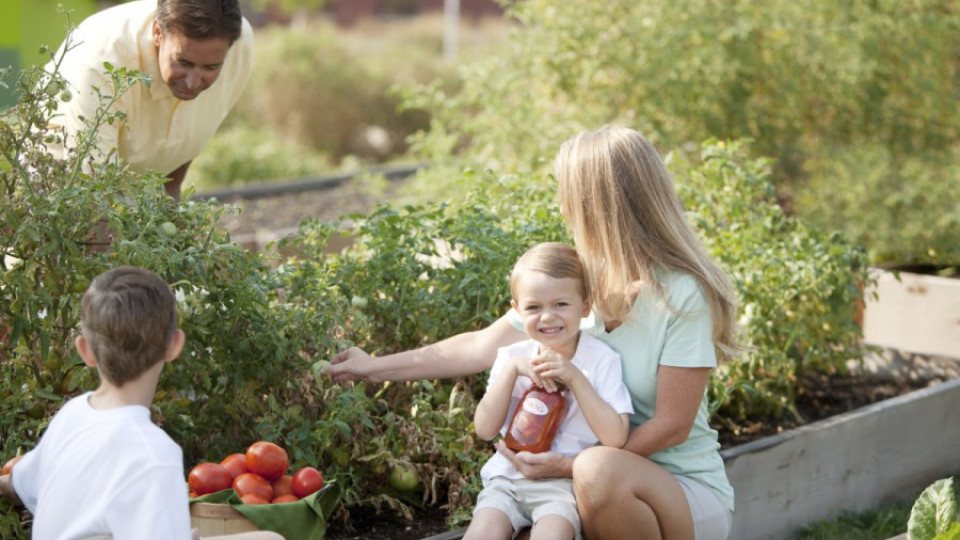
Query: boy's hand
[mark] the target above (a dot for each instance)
(535, 466)
(524, 366)
(552, 367)
(7, 491)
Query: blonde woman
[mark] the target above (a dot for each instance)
(663, 305)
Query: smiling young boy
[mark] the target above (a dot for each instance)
(550, 294)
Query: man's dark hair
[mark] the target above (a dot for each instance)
(201, 19)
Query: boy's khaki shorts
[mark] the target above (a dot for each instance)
(525, 501)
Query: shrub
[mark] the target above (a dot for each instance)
(818, 86)
(416, 275)
(903, 208)
(798, 286)
(796, 78)
(245, 153)
(335, 101)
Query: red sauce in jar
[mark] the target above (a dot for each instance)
(535, 423)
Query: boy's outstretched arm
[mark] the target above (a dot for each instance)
(7, 491)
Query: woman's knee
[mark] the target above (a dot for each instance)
(595, 474)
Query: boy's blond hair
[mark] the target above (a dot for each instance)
(129, 317)
(553, 259)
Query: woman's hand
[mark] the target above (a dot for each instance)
(534, 466)
(352, 364)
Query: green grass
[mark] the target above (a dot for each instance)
(879, 523)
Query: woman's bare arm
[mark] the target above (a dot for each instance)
(679, 392)
(463, 354)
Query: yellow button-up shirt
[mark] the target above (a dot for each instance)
(160, 132)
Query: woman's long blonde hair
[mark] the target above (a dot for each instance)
(627, 220)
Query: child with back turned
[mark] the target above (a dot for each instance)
(101, 468)
(550, 294)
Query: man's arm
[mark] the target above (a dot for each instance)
(176, 180)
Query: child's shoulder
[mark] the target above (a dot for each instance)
(593, 345)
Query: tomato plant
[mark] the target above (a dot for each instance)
(267, 459)
(253, 484)
(209, 478)
(306, 481)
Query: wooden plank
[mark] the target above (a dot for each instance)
(455, 534)
(919, 313)
(854, 461)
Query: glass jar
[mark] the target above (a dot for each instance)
(535, 423)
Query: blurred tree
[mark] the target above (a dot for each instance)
(296, 9)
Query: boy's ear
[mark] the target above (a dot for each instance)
(176, 345)
(587, 306)
(84, 350)
(513, 304)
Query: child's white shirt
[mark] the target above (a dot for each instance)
(109, 472)
(599, 363)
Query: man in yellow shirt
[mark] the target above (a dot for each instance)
(198, 55)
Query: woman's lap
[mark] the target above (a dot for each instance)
(609, 478)
(711, 520)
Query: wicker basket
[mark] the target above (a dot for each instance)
(216, 519)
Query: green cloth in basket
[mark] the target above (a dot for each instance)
(305, 519)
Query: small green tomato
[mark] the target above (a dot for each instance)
(404, 478)
(168, 228)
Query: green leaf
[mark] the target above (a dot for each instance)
(953, 533)
(934, 512)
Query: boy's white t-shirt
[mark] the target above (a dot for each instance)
(107, 472)
(599, 363)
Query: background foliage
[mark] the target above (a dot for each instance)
(812, 84)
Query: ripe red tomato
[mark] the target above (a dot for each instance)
(306, 481)
(267, 459)
(253, 484)
(284, 499)
(236, 464)
(251, 498)
(208, 478)
(8, 466)
(283, 486)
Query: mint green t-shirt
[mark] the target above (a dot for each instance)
(654, 335)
